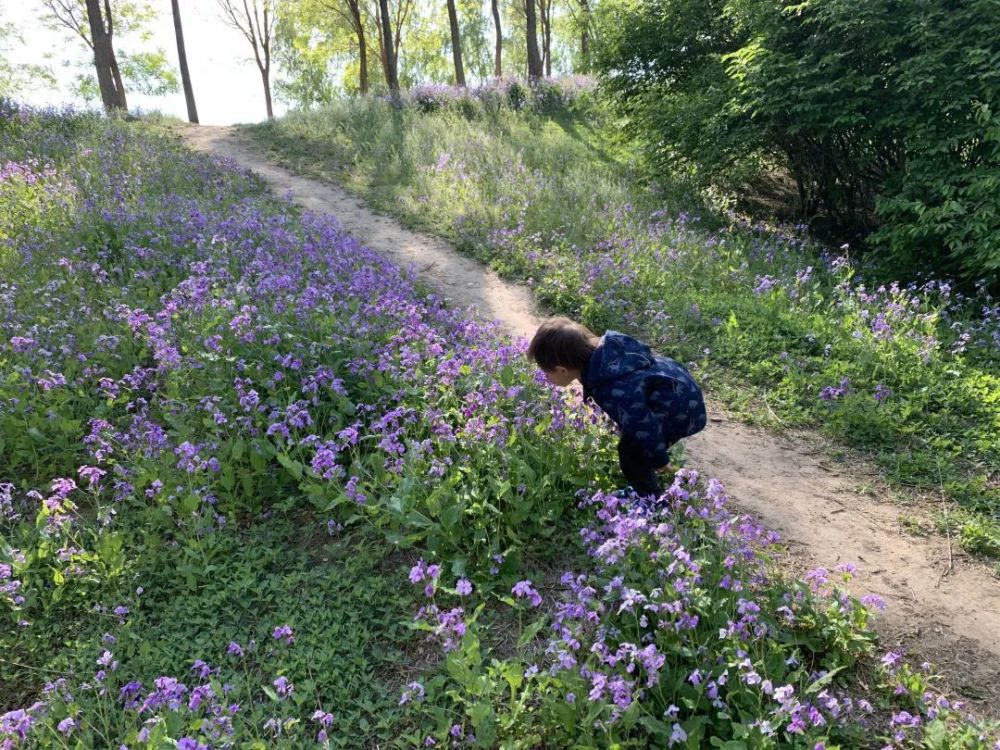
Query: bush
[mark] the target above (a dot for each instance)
(884, 113)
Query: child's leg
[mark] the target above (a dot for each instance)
(637, 470)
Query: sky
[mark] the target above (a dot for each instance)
(227, 84)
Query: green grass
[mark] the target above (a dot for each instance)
(340, 594)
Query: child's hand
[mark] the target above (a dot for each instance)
(666, 468)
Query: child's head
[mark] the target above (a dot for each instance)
(561, 348)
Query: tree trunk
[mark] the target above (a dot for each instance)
(585, 37)
(363, 55)
(497, 67)
(265, 75)
(359, 30)
(104, 58)
(389, 52)
(456, 43)
(535, 70)
(546, 6)
(114, 60)
(182, 56)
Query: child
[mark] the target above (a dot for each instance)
(652, 399)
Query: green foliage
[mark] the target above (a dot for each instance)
(16, 79)
(769, 319)
(650, 650)
(187, 592)
(947, 107)
(145, 71)
(662, 65)
(884, 113)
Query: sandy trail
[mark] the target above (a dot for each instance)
(940, 604)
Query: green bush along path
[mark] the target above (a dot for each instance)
(939, 602)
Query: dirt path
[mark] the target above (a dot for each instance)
(940, 605)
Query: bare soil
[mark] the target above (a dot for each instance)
(941, 604)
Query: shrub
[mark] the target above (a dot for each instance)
(884, 113)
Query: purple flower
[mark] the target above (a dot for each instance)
(524, 589)
(892, 660)
(418, 572)
(203, 670)
(67, 725)
(677, 734)
(283, 686)
(765, 284)
(92, 474)
(414, 691)
(22, 344)
(323, 718)
(234, 649)
(463, 587)
(284, 633)
(873, 601)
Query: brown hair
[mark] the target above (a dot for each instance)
(561, 342)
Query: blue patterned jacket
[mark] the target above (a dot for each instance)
(653, 399)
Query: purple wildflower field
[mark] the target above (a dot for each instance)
(782, 329)
(208, 399)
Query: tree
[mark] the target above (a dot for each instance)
(96, 27)
(256, 21)
(545, 16)
(102, 38)
(145, 71)
(583, 21)
(351, 10)
(390, 47)
(535, 69)
(497, 62)
(390, 35)
(182, 55)
(456, 43)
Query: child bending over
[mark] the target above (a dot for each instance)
(653, 399)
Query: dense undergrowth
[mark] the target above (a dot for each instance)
(229, 434)
(780, 328)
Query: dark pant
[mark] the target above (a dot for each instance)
(637, 470)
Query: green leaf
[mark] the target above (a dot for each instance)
(294, 467)
(483, 721)
(823, 681)
(188, 504)
(529, 633)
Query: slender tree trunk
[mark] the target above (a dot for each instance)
(115, 72)
(546, 6)
(381, 43)
(585, 37)
(456, 43)
(104, 58)
(182, 57)
(497, 67)
(256, 21)
(114, 60)
(359, 30)
(265, 75)
(389, 52)
(535, 70)
(363, 55)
